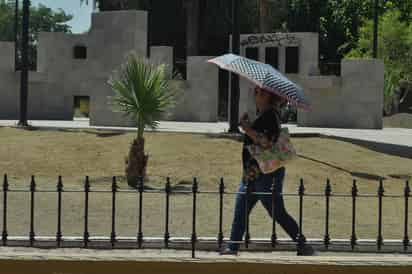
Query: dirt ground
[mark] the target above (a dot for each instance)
(100, 155)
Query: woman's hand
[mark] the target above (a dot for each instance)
(246, 126)
(244, 122)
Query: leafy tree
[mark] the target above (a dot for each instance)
(338, 21)
(6, 29)
(394, 47)
(404, 8)
(143, 93)
(42, 18)
(394, 42)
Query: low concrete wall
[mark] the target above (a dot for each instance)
(46, 103)
(246, 99)
(163, 55)
(307, 42)
(9, 94)
(6, 56)
(199, 99)
(61, 77)
(353, 101)
(362, 90)
(9, 79)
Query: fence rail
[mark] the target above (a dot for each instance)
(194, 241)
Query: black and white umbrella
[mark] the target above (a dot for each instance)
(264, 76)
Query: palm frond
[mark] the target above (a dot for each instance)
(142, 91)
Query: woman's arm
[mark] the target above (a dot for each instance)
(269, 135)
(259, 139)
(246, 127)
(251, 133)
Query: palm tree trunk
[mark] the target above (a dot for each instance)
(136, 163)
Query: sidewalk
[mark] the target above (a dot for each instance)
(88, 261)
(173, 255)
(388, 136)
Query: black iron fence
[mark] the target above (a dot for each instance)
(194, 240)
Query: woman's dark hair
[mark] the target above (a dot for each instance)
(278, 101)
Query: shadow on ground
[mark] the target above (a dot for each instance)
(227, 136)
(181, 186)
(239, 137)
(391, 149)
(361, 175)
(97, 133)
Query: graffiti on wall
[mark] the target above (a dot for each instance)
(277, 39)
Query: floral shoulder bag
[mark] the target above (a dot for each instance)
(276, 156)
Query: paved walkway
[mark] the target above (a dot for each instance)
(87, 261)
(170, 255)
(391, 136)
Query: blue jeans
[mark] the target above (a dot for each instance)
(262, 184)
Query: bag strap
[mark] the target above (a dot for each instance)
(278, 121)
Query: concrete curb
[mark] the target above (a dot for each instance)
(85, 261)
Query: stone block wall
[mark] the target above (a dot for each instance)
(355, 100)
(362, 90)
(163, 55)
(199, 98)
(6, 56)
(308, 44)
(9, 79)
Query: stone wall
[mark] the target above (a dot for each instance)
(198, 101)
(9, 94)
(9, 79)
(307, 44)
(353, 100)
(163, 55)
(60, 77)
(6, 56)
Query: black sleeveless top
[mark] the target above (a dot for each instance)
(267, 126)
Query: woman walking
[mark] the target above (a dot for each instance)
(263, 133)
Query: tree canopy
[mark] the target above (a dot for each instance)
(42, 18)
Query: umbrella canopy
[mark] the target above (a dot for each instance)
(264, 76)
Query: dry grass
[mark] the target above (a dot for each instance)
(74, 154)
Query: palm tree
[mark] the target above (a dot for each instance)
(143, 93)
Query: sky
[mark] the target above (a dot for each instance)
(81, 13)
